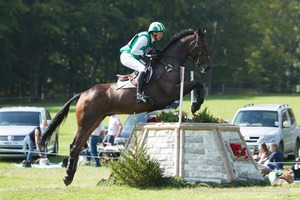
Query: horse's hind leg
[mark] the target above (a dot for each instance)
(75, 149)
(72, 164)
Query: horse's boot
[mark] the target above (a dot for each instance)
(140, 97)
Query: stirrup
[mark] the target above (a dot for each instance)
(142, 98)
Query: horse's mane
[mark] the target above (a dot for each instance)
(177, 37)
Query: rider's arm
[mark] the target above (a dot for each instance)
(141, 42)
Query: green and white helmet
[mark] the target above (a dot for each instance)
(156, 27)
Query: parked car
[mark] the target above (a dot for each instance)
(15, 125)
(139, 119)
(269, 123)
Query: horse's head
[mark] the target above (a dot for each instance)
(187, 43)
(198, 51)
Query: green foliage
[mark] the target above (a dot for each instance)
(167, 117)
(201, 116)
(136, 168)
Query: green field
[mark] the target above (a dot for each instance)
(32, 183)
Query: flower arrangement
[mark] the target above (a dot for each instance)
(152, 119)
(202, 116)
(239, 152)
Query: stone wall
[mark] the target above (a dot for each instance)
(197, 151)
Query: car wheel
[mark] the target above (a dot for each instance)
(296, 149)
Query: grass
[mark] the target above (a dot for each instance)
(33, 183)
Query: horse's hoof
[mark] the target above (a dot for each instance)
(195, 107)
(67, 181)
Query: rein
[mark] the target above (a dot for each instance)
(199, 52)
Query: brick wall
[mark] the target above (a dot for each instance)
(197, 152)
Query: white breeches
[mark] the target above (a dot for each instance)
(129, 61)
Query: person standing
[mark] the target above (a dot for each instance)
(92, 151)
(114, 129)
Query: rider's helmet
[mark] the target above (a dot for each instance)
(156, 27)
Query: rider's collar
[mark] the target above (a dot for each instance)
(152, 38)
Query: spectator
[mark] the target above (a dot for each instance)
(296, 169)
(92, 152)
(33, 139)
(275, 159)
(114, 129)
(263, 153)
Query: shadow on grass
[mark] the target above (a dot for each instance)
(178, 182)
(52, 158)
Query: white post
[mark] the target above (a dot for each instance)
(192, 92)
(181, 94)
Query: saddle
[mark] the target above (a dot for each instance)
(132, 77)
(128, 77)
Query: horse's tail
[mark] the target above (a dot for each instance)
(58, 119)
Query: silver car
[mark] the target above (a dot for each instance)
(139, 119)
(269, 123)
(16, 123)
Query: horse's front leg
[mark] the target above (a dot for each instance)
(199, 92)
(174, 93)
(188, 87)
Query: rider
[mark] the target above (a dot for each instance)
(132, 53)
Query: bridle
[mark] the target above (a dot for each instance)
(198, 50)
(199, 53)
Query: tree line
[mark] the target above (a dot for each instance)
(51, 48)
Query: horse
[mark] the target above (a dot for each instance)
(106, 99)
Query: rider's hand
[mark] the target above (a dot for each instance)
(147, 50)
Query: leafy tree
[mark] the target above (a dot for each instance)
(9, 29)
(53, 48)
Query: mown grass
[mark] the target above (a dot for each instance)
(32, 183)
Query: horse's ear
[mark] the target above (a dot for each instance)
(200, 33)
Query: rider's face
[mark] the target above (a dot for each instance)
(159, 35)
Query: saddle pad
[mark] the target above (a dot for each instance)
(124, 85)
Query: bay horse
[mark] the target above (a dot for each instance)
(107, 99)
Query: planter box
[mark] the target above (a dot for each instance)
(198, 152)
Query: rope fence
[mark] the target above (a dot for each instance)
(55, 154)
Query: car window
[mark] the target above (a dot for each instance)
(48, 116)
(292, 116)
(284, 116)
(257, 118)
(20, 118)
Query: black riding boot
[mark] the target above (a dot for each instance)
(139, 89)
